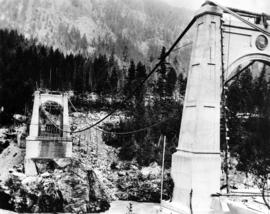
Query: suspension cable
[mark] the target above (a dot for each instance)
(75, 109)
(241, 19)
(239, 72)
(183, 46)
(135, 131)
(122, 133)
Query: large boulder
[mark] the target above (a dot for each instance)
(97, 196)
(62, 162)
(4, 143)
(19, 117)
(3, 132)
(33, 194)
(68, 187)
(10, 157)
(152, 171)
(81, 189)
(21, 135)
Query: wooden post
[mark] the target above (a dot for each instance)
(162, 167)
(97, 145)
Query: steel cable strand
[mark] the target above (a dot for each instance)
(122, 133)
(240, 18)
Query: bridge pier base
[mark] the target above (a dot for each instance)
(172, 208)
(30, 167)
(196, 177)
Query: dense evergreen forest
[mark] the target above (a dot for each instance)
(248, 115)
(25, 66)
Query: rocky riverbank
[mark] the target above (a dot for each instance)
(63, 185)
(123, 180)
(86, 183)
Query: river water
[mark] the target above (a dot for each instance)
(121, 207)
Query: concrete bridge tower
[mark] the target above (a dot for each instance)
(219, 45)
(49, 136)
(196, 166)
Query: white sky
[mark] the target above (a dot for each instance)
(251, 5)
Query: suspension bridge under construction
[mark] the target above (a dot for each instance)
(224, 40)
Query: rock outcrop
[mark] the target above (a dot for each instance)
(86, 183)
(144, 184)
(10, 157)
(69, 187)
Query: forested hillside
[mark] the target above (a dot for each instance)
(131, 28)
(26, 66)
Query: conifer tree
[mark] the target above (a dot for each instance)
(140, 76)
(171, 79)
(160, 88)
(130, 82)
(114, 81)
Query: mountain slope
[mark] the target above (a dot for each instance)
(94, 26)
